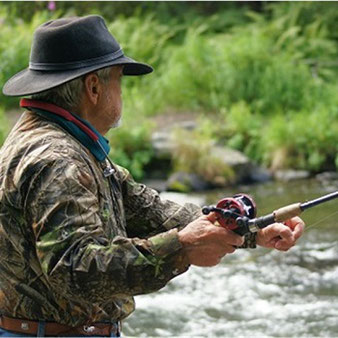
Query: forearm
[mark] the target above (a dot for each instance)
(249, 241)
(147, 214)
(124, 266)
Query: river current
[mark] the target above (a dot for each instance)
(255, 292)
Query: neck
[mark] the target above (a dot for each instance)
(81, 129)
(88, 112)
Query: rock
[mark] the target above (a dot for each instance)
(157, 184)
(186, 182)
(328, 179)
(187, 125)
(162, 140)
(259, 175)
(236, 160)
(290, 175)
(162, 144)
(244, 170)
(230, 156)
(182, 198)
(327, 176)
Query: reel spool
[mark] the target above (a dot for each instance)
(230, 208)
(239, 205)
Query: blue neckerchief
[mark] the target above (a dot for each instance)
(99, 149)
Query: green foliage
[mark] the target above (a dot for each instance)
(208, 73)
(165, 11)
(15, 42)
(152, 41)
(131, 147)
(242, 130)
(3, 127)
(309, 32)
(267, 79)
(187, 80)
(193, 154)
(307, 140)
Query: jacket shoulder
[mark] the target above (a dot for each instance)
(34, 138)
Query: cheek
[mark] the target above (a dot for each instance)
(116, 91)
(118, 98)
(114, 106)
(116, 102)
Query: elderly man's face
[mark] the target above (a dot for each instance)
(111, 103)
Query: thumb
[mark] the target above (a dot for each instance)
(212, 217)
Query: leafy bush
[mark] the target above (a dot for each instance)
(207, 73)
(144, 43)
(3, 127)
(131, 147)
(193, 154)
(266, 81)
(241, 129)
(306, 140)
(15, 45)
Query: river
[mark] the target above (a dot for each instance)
(255, 292)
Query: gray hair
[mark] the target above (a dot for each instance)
(68, 95)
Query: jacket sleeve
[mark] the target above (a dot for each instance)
(76, 253)
(147, 213)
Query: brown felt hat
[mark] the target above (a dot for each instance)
(67, 48)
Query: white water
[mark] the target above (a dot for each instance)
(252, 293)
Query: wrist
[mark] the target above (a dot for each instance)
(250, 240)
(183, 240)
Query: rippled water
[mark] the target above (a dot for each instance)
(256, 292)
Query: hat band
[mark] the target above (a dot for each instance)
(76, 64)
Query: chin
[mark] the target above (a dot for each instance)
(116, 124)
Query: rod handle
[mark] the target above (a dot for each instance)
(285, 213)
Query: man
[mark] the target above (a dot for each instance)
(79, 237)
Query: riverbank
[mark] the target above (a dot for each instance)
(163, 173)
(261, 82)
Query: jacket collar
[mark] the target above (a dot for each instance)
(81, 129)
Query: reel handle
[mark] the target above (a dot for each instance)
(234, 212)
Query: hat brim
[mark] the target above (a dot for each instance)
(29, 82)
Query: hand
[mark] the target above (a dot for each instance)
(205, 243)
(281, 236)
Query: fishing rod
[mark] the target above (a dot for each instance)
(238, 213)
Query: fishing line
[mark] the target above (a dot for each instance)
(321, 220)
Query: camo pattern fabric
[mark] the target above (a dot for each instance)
(75, 247)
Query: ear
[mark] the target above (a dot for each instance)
(92, 87)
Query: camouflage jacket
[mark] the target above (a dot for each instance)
(75, 247)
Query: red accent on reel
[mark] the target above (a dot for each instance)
(240, 205)
(232, 204)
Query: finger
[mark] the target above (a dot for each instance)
(297, 225)
(229, 237)
(221, 250)
(284, 238)
(279, 231)
(272, 242)
(228, 249)
(285, 242)
(299, 229)
(213, 252)
(283, 246)
(212, 217)
(284, 232)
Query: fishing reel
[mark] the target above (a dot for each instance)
(231, 211)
